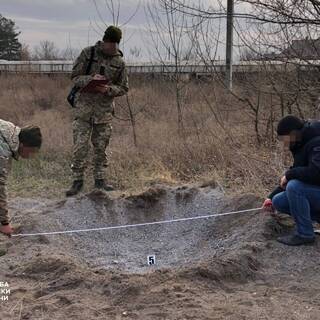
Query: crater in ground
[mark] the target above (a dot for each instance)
(227, 267)
(173, 244)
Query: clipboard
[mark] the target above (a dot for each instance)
(91, 86)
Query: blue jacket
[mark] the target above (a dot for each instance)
(306, 157)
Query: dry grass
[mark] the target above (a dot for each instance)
(217, 140)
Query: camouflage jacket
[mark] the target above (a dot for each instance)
(9, 145)
(114, 70)
(9, 140)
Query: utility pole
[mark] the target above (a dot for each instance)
(229, 46)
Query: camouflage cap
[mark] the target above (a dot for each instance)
(112, 34)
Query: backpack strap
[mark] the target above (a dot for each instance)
(90, 61)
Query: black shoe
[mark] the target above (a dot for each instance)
(295, 240)
(75, 188)
(101, 185)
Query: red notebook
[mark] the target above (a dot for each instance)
(91, 86)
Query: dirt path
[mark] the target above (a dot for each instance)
(222, 268)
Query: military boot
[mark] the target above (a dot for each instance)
(75, 188)
(102, 185)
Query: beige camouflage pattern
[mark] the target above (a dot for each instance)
(99, 135)
(9, 144)
(4, 170)
(93, 111)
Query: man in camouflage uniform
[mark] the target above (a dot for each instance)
(15, 142)
(93, 111)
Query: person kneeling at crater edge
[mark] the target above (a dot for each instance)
(299, 192)
(15, 142)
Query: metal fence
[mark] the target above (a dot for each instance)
(61, 67)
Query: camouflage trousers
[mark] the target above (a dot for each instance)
(4, 169)
(99, 134)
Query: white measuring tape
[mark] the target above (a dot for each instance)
(135, 225)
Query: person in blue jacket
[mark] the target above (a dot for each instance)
(298, 193)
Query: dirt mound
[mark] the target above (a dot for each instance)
(148, 198)
(235, 267)
(48, 267)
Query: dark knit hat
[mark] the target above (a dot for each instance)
(289, 124)
(112, 34)
(31, 136)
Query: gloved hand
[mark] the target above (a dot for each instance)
(6, 229)
(267, 205)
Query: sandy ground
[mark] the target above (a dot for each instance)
(223, 268)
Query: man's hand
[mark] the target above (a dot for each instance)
(7, 230)
(102, 89)
(283, 182)
(99, 77)
(267, 205)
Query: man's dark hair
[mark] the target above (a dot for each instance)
(30, 136)
(288, 124)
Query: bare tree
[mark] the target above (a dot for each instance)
(25, 52)
(112, 10)
(135, 53)
(286, 12)
(282, 36)
(69, 53)
(280, 12)
(46, 50)
(172, 44)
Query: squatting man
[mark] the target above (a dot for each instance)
(15, 142)
(299, 191)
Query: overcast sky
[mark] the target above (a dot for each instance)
(68, 21)
(76, 23)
